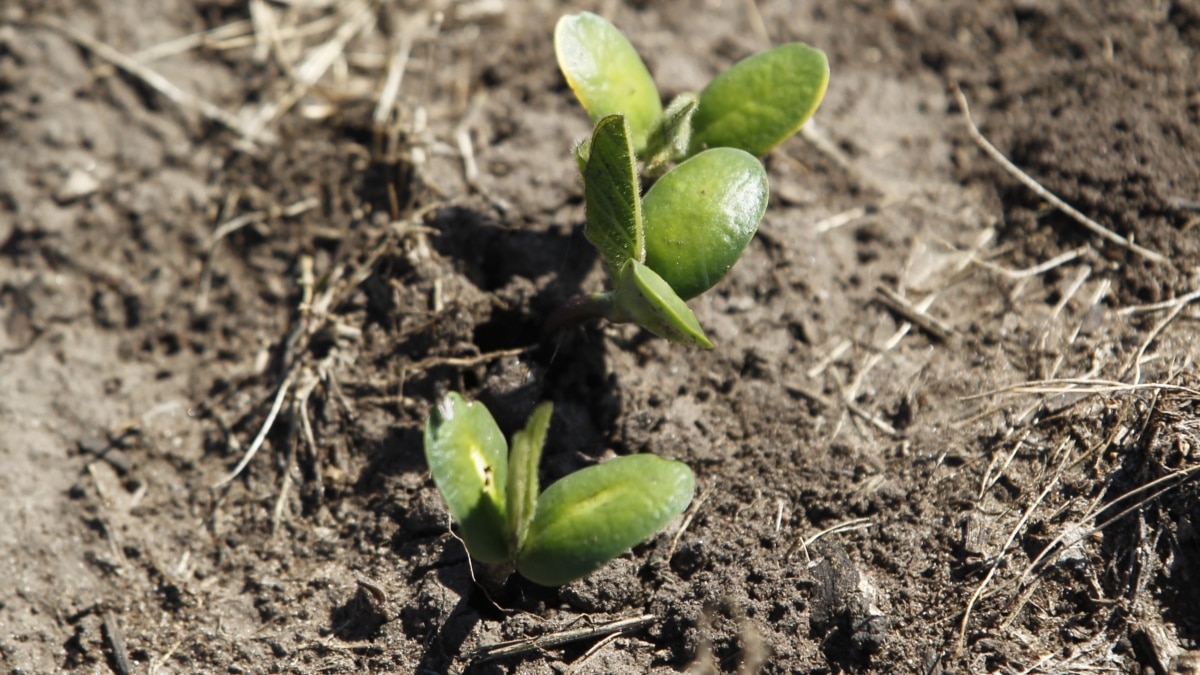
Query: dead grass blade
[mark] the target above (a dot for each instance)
(157, 82)
(1075, 532)
(687, 521)
(1057, 261)
(1081, 385)
(1012, 536)
(1042, 192)
(360, 17)
(276, 405)
(537, 644)
(897, 303)
(116, 640)
(391, 85)
(852, 525)
(1135, 360)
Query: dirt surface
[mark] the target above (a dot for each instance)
(254, 264)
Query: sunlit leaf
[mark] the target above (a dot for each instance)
(611, 191)
(468, 458)
(641, 296)
(761, 100)
(606, 73)
(597, 513)
(699, 217)
(523, 462)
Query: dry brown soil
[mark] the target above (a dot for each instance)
(1009, 489)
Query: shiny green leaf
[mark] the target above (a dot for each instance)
(606, 73)
(523, 462)
(761, 100)
(642, 296)
(611, 192)
(468, 458)
(699, 217)
(597, 513)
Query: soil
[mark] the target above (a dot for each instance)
(1009, 488)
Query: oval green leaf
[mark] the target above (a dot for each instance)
(642, 296)
(597, 513)
(468, 458)
(699, 217)
(611, 194)
(606, 73)
(761, 100)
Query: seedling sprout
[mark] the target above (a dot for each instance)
(564, 533)
(710, 193)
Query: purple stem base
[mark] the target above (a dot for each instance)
(579, 308)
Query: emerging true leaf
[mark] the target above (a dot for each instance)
(641, 296)
(467, 456)
(523, 462)
(597, 513)
(700, 216)
(606, 73)
(761, 100)
(581, 152)
(672, 135)
(611, 192)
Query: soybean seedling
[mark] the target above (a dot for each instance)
(693, 224)
(565, 533)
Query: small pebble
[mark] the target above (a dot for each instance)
(79, 184)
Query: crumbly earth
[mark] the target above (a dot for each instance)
(1006, 487)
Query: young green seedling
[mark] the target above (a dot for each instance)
(565, 533)
(671, 245)
(693, 224)
(754, 105)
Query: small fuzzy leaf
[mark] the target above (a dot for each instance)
(699, 217)
(580, 152)
(523, 462)
(468, 459)
(672, 135)
(641, 296)
(761, 100)
(597, 513)
(611, 193)
(606, 73)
